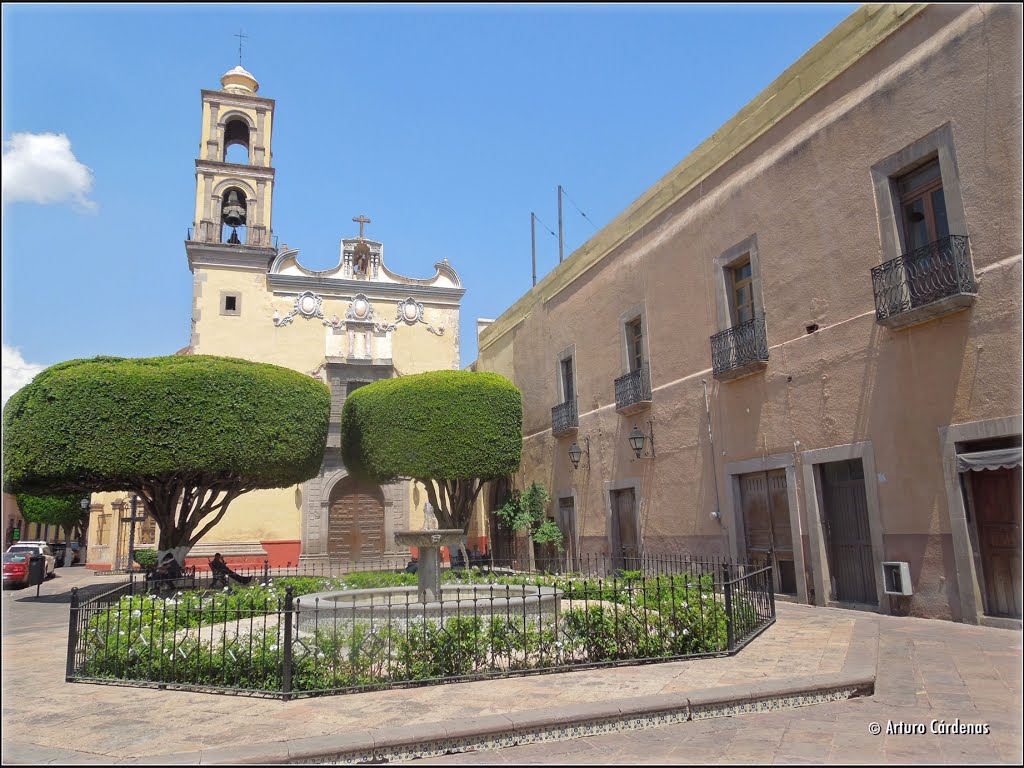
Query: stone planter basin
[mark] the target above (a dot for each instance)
(400, 605)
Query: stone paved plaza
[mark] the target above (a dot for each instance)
(926, 670)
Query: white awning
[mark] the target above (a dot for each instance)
(1007, 458)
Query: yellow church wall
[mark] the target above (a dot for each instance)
(251, 334)
(271, 514)
(417, 350)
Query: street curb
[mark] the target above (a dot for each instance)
(536, 725)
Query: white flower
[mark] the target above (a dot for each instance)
(686, 632)
(120, 633)
(273, 647)
(179, 594)
(685, 604)
(263, 583)
(226, 589)
(704, 597)
(136, 612)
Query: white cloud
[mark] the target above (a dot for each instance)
(16, 372)
(41, 168)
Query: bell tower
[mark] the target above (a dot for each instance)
(234, 175)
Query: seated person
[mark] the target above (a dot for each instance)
(221, 571)
(476, 557)
(457, 560)
(165, 574)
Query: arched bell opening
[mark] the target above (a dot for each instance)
(236, 143)
(233, 217)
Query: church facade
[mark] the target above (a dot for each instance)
(348, 326)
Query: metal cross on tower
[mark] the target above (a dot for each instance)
(362, 220)
(241, 34)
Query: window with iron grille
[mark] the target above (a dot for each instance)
(635, 340)
(568, 384)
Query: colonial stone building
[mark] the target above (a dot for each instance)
(350, 325)
(811, 330)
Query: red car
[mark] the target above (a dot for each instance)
(16, 568)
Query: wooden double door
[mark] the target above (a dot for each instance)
(625, 530)
(996, 494)
(764, 497)
(355, 529)
(848, 533)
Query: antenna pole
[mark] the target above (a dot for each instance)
(560, 224)
(533, 243)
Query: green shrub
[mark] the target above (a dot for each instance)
(146, 558)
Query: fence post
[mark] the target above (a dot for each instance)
(69, 670)
(266, 572)
(286, 671)
(771, 589)
(730, 634)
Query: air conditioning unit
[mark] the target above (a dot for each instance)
(896, 577)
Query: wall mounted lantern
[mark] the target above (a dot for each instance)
(576, 453)
(637, 440)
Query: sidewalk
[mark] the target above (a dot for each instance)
(971, 672)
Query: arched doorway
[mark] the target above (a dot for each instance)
(356, 521)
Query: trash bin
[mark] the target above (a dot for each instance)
(36, 570)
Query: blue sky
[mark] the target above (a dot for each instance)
(446, 125)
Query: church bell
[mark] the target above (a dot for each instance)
(234, 210)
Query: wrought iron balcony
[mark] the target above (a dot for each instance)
(633, 391)
(564, 417)
(923, 284)
(740, 350)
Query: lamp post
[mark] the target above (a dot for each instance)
(576, 453)
(637, 439)
(131, 520)
(84, 527)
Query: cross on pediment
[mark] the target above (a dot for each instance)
(361, 219)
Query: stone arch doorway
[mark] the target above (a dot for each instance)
(355, 529)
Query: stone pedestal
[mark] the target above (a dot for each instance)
(428, 568)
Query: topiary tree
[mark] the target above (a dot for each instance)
(187, 434)
(64, 511)
(450, 430)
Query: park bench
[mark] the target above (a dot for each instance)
(156, 582)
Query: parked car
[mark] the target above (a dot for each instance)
(37, 548)
(58, 548)
(16, 568)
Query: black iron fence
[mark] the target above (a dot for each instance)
(739, 346)
(633, 388)
(310, 633)
(564, 417)
(923, 276)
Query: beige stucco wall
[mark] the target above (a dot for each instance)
(803, 188)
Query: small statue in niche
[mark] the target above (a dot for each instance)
(361, 259)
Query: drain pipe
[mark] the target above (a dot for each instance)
(717, 513)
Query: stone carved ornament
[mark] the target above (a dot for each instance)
(360, 310)
(307, 304)
(410, 312)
